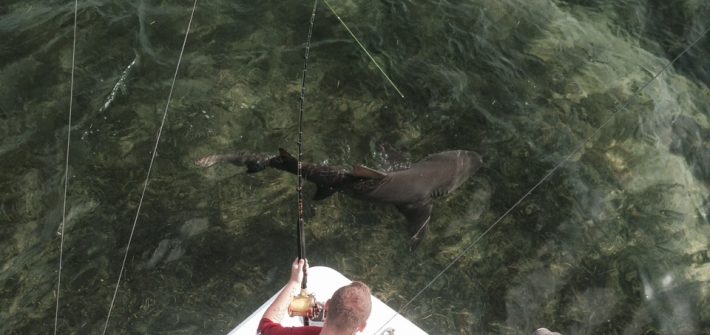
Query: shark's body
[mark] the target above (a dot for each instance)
(411, 190)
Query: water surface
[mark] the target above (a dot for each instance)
(614, 242)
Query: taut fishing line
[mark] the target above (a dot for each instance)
(66, 170)
(364, 49)
(579, 148)
(150, 166)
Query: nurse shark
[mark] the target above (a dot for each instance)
(412, 190)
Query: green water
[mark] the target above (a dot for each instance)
(616, 241)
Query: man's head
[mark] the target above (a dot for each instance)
(349, 308)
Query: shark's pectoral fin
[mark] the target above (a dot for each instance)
(418, 215)
(366, 172)
(324, 191)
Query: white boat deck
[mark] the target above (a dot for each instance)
(322, 282)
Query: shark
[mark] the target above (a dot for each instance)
(412, 190)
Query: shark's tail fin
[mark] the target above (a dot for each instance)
(253, 162)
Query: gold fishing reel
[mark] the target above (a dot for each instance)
(305, 304)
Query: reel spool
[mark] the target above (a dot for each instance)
(305, 305)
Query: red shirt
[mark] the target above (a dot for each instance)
(268, 327)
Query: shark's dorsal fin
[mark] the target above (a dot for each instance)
(366, 172)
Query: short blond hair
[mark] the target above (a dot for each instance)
(350, 306)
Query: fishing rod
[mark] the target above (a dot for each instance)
(304, 304)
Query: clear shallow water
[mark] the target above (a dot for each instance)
(615, 242)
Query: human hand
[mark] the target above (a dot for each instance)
(298, 268)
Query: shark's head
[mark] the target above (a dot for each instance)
(467, 163)
(471, 161)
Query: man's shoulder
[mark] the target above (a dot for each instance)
(268, 327)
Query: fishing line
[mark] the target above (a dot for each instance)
(150, 166)
(66, 170)
(364, 49)
(547, 176)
